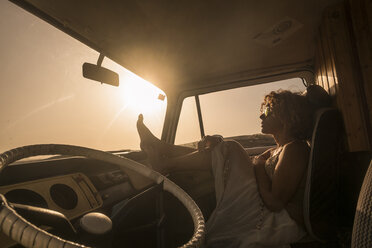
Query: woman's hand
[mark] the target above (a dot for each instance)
(209, 142)
(258, 160)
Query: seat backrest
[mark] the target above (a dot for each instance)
(322, 184)
(362, 229)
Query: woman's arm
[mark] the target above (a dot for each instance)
(287, 176)
(261, 158)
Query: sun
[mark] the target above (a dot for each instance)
(136, 94)
(140, 96)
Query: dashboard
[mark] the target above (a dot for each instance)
(72, 186)
(72, 195)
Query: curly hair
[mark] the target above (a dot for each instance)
(293, 110)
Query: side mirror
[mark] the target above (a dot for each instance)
(100, 74)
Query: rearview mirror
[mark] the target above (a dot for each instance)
(100, 74)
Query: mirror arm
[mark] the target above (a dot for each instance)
(100, 59)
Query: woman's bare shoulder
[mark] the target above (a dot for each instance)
(297, 145)
(297, 149)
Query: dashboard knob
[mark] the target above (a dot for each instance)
(96, 223)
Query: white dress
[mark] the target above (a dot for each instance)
(240, 218)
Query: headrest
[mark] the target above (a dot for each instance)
(318, 96)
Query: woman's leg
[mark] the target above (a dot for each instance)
(165, 157)
(149, 141)
(191, 161)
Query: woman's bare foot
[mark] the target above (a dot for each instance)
(145, 134)
(151, 145)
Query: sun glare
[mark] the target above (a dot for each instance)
(140, 96)
(137, 95)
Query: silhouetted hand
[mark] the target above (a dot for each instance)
(209, 142)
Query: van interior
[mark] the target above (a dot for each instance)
(206, 58)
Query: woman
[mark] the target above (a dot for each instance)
(259, 199)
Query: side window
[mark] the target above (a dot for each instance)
(188, 124)
(230, 113)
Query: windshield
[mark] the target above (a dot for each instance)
(45, 99)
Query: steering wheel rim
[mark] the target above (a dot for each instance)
(25, 233)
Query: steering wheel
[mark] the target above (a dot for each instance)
(25, 233)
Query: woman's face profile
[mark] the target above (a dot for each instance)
(270, 124)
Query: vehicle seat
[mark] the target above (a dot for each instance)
(362, 228)
(322, 182)
(321, 188)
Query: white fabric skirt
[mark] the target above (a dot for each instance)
(240, 218)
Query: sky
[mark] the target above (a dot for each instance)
(45, 99)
